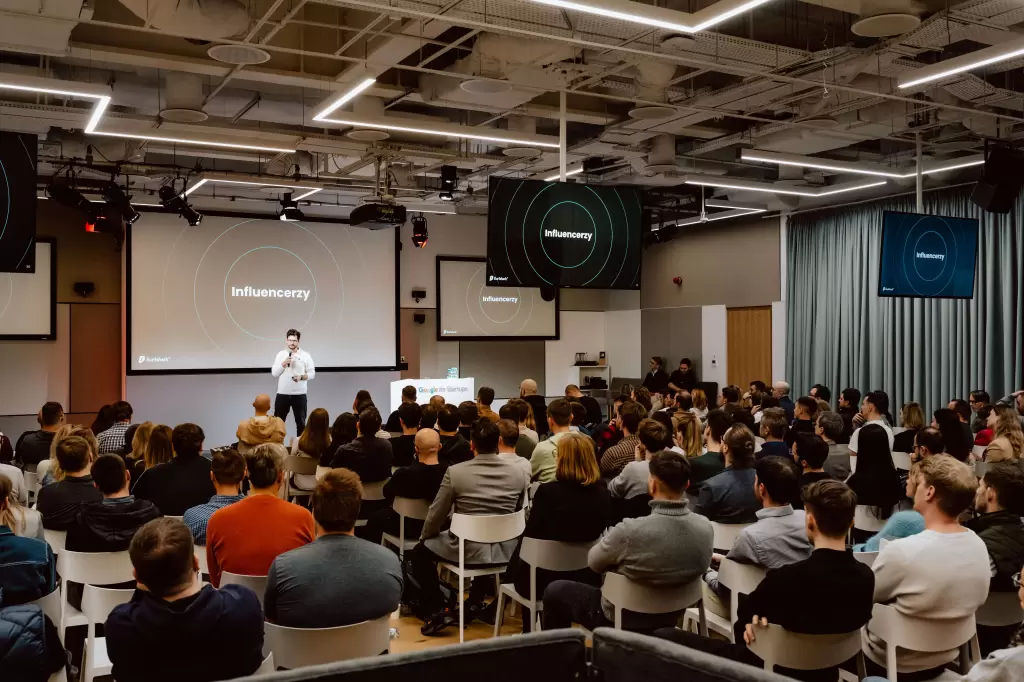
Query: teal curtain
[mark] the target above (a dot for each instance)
(841, 334)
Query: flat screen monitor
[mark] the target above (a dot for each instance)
(28, 300)
(17, 202)
(927, 256)
(469, 309)
(563, 234)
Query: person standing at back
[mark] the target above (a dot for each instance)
(183, 482)
(34, 446)
(245, 537)
(176, 627)
(528, 392)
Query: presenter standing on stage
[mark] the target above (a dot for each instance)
(293, 367)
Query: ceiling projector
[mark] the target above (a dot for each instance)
(377, 215)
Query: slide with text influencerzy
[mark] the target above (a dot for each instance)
(223, 294)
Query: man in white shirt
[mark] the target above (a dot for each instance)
(872, 410)
(293, 368)
(941, 574)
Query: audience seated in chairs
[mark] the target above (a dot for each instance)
(524, 443)
(246, 537)
(34, 446)
(999, 504)
(829, 592)
(176, 627)
(686, 435)
(668, 548)
(805, 413)
(27, 565)
(23, 521)
(338, 579)
(810, 453)
(59, 502)
(777, 538)
(542, 461)
(538, 406)
(260, 428)
(712, 461)
(403, 447)
(575, 507)
(468, 415)
(112, 439)
(419, 481)
(1008, 438)
(157, 450)
(954, 436)
(484, 399)
(829, 428)
(876, 481)
(314, 443)
(183, 482)
(872, 413)
(728, 497)
(343, 431)
(454, 447)
(527, 421)
(912, 421)
(485, 485)
(774, 430)
(615, 458)
(227, 470)
(394, 423)
(941, 573)
(509, 433)
(629, 490)
(369, 456)
(594, 415)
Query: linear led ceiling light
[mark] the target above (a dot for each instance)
(443, 130)
(345, 97)
(568, 173)
(967, 62)
(214, 179)
(723, 215)
(859, 168)
(658, 17)
(770, 188)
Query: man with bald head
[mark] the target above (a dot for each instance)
(260, 428)
(781, 391)
(418, 481)
(528, 392)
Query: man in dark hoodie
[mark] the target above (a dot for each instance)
(454, 446)
(108, 524)
(176, 627)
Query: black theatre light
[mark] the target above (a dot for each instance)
(173, 201)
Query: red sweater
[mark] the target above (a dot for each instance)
(246, 537)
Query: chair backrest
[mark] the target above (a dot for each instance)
(298, 464)
(901, 460)
(867, 558)
(553, 555)
(31, 482)
(256, 583)
(321, 472)
(864, 518)
(200, 552)
(410, 508)
(95, 568)
(55, 539)
(493, 528)
(533, 489)
(1000, 609)
(301, 647)
(640, 598)
(740, 578)
(374, 491)
(726, 534)
(919, 634)
(98, 602)
(266, 667)
(43, 468)
(51, 605)
(777, 646)
(897, 430)
(978, 451)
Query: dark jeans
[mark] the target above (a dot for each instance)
(424, 572)
(284, 402)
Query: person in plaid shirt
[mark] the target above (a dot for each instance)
(227, 471)
(112, 440)
(630, 415)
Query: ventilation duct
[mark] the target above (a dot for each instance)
(371, 107)
(200, 19)
(183, 98)
(651, 83)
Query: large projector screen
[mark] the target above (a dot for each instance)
(927, 256)
(469, 309)
(17, 201)
(28, 300)
(220, 297)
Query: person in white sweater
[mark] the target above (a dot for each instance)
(293, 368)
(941, 574)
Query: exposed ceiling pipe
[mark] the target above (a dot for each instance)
(200, 19)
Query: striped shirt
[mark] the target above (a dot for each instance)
(112, 440)
(198, 516)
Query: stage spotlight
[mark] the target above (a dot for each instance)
(116, 197)
(173, 201)
(106, 220)
(419, 231)
(66, 195)
(290, 212)
(449, 182)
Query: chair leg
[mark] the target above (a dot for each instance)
(499, 616)
(890, 661)
(862, 670)
(462, 610)
(702, 623)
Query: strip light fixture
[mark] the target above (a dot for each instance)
(344, 98)
(568, 173)
(658, 17)
(967, 62)
(769, 188)
(853, 167)
(219, 180)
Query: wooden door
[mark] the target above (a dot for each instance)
(749, 343)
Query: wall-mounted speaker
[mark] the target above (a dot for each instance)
(1003, 178)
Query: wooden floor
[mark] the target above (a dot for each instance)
(410, 639)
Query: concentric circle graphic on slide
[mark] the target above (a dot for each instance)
(564, 234)
(497, 311)
(927, 256)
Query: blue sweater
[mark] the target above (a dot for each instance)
(900, 525)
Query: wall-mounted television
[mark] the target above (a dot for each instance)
(563, 234)
(17, 202)
(927, 256)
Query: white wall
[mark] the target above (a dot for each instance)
(714, 344)
(447, 236)
(217, 402)
(622, 343)
(34, 372)
(581, 332)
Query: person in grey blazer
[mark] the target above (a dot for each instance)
(486, 485)
(830, 427)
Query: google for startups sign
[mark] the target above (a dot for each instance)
(453, 390)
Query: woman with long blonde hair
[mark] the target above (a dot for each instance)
(314, 442)
(687, 434)
(159, 450)
(49, 470)
(1008, 444)
(25, 522)
(136, 459)
(700, 403)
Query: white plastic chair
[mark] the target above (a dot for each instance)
(482, 529)
(97, 603)
(406, 508)
(853, 464)
(321, 472)
(918, 634)
(726, 534)
(256, 583)
(901, 460)
(740, 579)
(51, 607)
(32, 486)
(373, 492)
(776, 646)
(296, 464)
(864, 519)
(301, 647)
(1000, 609)
(200, 552)
(43, 468)
(89, 568)
(896, 430)
(549, 555)
(866, 558)
(630, 595)
(55, 539)
(266, 667)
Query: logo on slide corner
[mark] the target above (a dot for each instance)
(495, 278)
(144, 359)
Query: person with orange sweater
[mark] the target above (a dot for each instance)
(247, 536)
